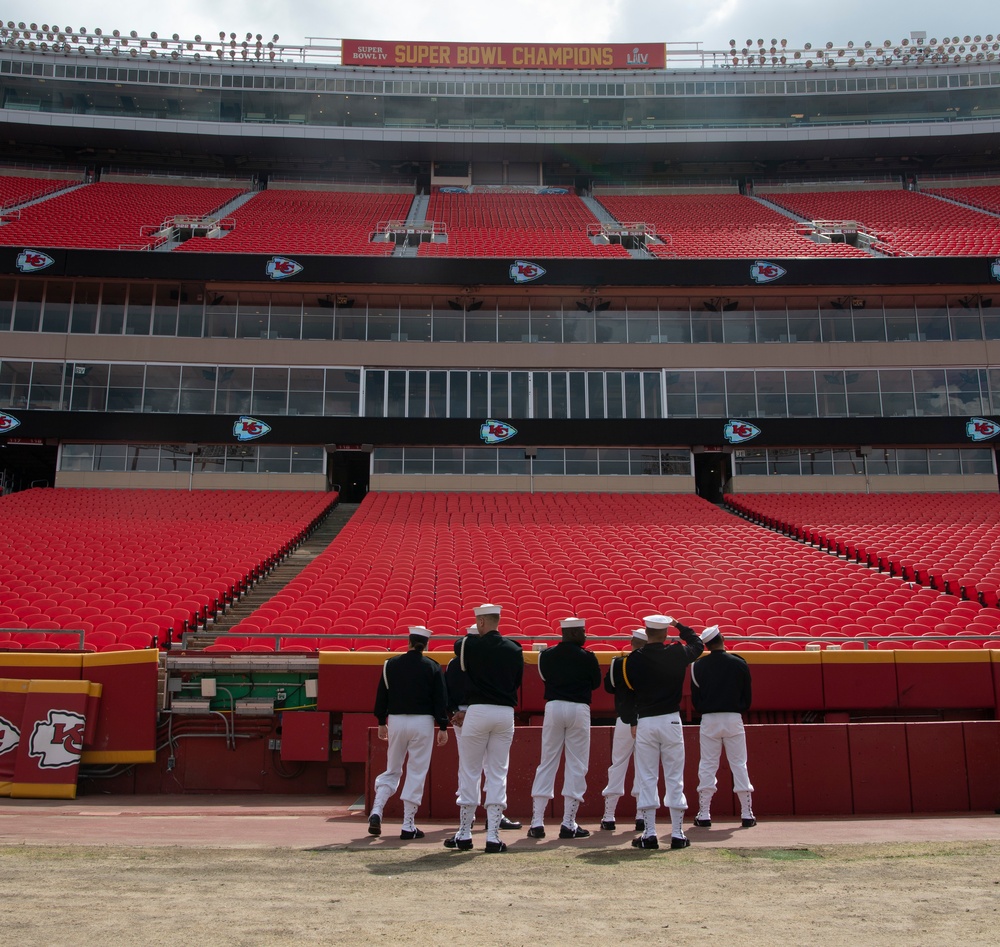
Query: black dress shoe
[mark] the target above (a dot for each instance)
(608, 825)
(749, 823)
(676, 842)
(493, 848)
(536, 831)
(406, 834)
(703, 823)
(462, 844)
(643, 842)
(640, 825)
(566, 832)
(506, 823)
(374, 825)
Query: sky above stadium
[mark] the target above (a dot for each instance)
(570, 21)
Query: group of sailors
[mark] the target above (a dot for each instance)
(477, 695)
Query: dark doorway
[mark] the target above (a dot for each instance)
(711, 471)
(348, 472)
(26, 465)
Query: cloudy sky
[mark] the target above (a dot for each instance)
(622, 21)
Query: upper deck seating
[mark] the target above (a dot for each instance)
(510, 225)
(317, 222)
(17, 189)
(984, 196)
(719, 226)
(908, 223)
(110, 215)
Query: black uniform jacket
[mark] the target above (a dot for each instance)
(457, 683)
(570, 672)
(656, 673)
(720, 683)
(412, 684)
(614, 683)
(494, 665)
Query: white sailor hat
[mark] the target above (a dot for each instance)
(486, 609)
(472, 630)
(657, 622)
(567, 623)
(639, 633)
(420, 631)
(713, 631)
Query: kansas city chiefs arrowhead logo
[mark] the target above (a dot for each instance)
(981, 429)
(736, 432)
(280, 267)
(995, 270)
(10, 736)
(8, 422)
(493, 432)
(764, 272)
(524, 272)
(249, 429)
(31, 261)
(57, 741)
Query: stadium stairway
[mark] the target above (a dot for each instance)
(278, 577)
(606, 217)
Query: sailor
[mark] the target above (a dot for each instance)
(656, 674)
(411, 698)
(622, 742)
(457, 683)
(571, 674)
(720, 691)
(494, 666)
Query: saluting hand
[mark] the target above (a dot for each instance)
(442, 737)
(383, 732)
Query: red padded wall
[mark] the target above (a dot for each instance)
(821, 768)
(880, 771)
(982, 760)
(937, 766)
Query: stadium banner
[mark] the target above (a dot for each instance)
(406, 54)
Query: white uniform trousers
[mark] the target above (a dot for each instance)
(566, 727)
(718, 731)
(660, 741)
(622, 747)
(411, 738)
(487, 733)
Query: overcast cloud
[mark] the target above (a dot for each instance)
(621, 21)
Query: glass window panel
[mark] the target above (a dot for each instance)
(519, 394)
(835, 320)
(740, 397)
(143, 457)
(705, 327)
(831, 394)
(28, 309)
(190, 314)
(112, 319)
(309, 402)
(308, 459)
(270, 379)
(577, 395)
(481, 326)
(546, 325)
(651, 395)
(912, 461)
(560, 395)
(285, 315)
(511, 460)
(846, 462)
(241, 458)
(931, 392)
(675, 463)
(944, 461)
(550, 461)
(581, 461)
(449, 326)
(579, 326)
(710, 388)
(991, 318)
(784, 461)
(963, 391)
(869, 326)
(273, 459)
(252, 316)
(396, 398)
(387, 460)
(139, 314)
(481, 460)
(540, 394)
(85, 299)
(479, 394)
(613, 461)
(993, 378)
(351, 322)
(449, 460)
(269, 402)
(317, 315)
(643, 326)
(803, 320)
(416, 402)
(76, 457)
(165, 311)
(90, 387)
(611, 326)
(616, 395)
(771, 320)
(211, 459)
(7, 288)
(57, 301)
(644, 461)
(438, 394)
(458, 395)
(415, 325)
(110, 457)
(932, 318)
(305, 379)
(383, 325)
(816, 461)
(675, 321)
(499, 401)
(750, 462)
(977, 461)
(595, 394)
(234, 386)
(513, 326)
(46, 386)
(738, 326)
(418, 460)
